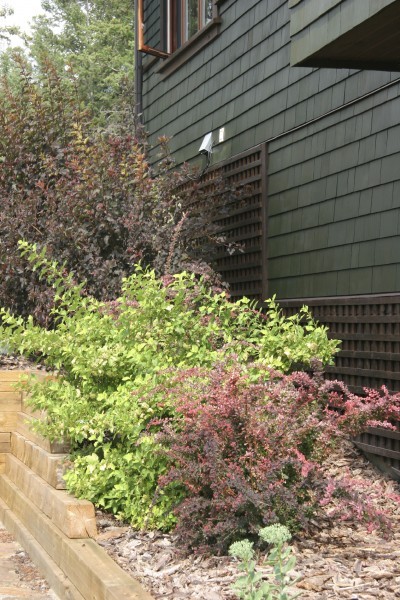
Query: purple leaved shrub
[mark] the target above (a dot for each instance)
(248, 446)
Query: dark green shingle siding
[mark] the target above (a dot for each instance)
(339, 217)
(334, 185)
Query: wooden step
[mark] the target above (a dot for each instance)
(5, 442)
(5, 447)
(8, 379)
(23, 426)
(50, 467)
(55, 577)
(76, 518)
(90, 570)
(8, 421)
(10, 401)
(29, 410)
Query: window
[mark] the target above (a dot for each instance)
(181, 20)
(184, 19)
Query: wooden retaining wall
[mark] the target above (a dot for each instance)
(55, 528)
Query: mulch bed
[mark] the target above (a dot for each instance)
(10, 362)
(336, 560)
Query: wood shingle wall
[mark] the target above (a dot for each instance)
(242, 81)
(332, 178)
(334, 203)
(333, 144)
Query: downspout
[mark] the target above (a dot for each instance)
(138, 74)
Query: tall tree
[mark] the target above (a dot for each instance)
(6, 31)
(95, 39)
(8, 67)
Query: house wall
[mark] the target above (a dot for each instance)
(333, 143)
(314, 24)
(334, 203)
(365, 33)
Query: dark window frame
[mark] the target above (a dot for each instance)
(172, 30)
(177, 10)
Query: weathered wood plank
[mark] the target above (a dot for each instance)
(87, 566)
(8, 421)
(74, 517)
(29, 410)
(54, 575)
(384, 433)
(377, 450)
(107, 580)
(359, 319)
(383, 375)
(50, 467)
(16, 374)
(23, 426)
(10, 401)
(7, 386)
(370, 355)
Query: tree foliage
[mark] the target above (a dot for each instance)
(6, 30)
(95, 39)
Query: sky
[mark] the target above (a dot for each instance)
(24, 10)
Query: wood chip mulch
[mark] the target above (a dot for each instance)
(12, 362)
(336, 560)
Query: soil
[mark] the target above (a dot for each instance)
(19, 578)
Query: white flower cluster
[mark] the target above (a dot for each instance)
(242, 550)
(276, 534)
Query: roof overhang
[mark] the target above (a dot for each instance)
(356, 34)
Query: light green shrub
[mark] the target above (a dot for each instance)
(111, 357)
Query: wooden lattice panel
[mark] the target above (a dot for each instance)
(382, 446)
(369, 327)
(242, 221)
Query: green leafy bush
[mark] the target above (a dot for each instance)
(114, 361)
